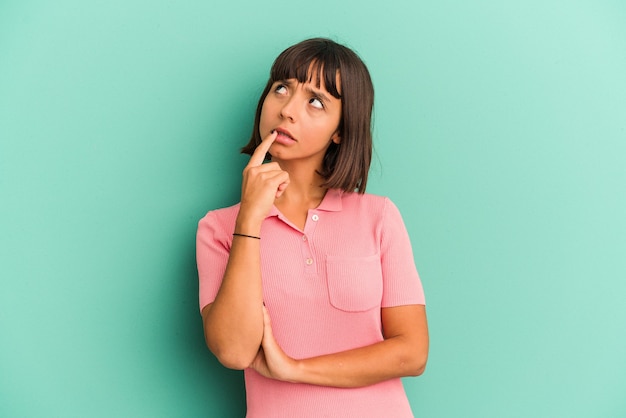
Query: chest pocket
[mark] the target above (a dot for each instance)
(355, 284)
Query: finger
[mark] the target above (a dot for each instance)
(271, 179)
(263, 168)
(266, 318)
(283, 182)
(258, 156)
(267, 323)
(281, 188)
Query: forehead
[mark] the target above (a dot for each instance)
(322, 75)
(314, 84)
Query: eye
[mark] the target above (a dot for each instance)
(280, 89)
(316, 103)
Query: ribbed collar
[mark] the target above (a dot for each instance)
(330, 203)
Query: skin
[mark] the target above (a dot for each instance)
(237, 326)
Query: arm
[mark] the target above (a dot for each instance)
(403, 352)
(233, 323)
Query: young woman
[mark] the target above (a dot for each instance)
(309, 284)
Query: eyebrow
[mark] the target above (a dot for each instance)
(310, 90)
(318, 93)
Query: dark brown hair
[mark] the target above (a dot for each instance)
(345, 165)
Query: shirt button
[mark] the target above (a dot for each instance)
(309, 261)
(303, 237)
(315, 217)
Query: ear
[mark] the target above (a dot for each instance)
(336, 138)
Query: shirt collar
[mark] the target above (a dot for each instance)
(330, 203)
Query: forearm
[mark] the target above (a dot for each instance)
(234, 322)
(391, 358)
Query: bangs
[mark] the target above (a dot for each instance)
(308, 63)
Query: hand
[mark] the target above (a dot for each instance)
(271, 361)
(262, 183)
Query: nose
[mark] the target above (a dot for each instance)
(288, 110)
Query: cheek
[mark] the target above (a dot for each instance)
(332, 127)
(263, 117)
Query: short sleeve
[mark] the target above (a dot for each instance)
(212, 251)
(401, 281)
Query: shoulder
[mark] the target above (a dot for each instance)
(367, 202)
(222, 213)
(369, 211)
(371, 208)
(221, 218)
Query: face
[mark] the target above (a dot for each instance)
(306, 118)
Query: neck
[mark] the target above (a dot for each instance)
(305, 186)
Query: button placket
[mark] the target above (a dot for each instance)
(307, 250)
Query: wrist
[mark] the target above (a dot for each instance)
(245, 225)
(236, 234)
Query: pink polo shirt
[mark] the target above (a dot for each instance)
(324, 288)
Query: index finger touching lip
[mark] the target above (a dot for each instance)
(261, 150)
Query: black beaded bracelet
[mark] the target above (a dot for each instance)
(244, 235)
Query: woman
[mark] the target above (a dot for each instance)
(309, 284)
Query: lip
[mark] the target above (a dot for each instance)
(284, 135)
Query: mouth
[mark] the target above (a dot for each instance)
(284, 134)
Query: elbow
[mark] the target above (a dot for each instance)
(419, 356)
(233, 361)
(415, 361)
(419, 370)
(232, 358)
(231, 353)
(418, 366)
(415, 367)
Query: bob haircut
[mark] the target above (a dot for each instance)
(345, 165)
